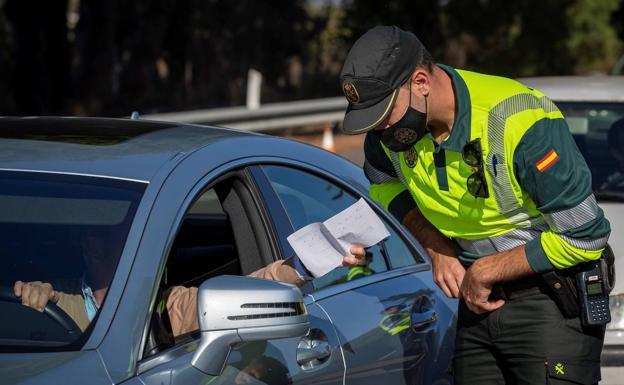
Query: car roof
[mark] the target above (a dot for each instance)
(598, 88)
(121, 148)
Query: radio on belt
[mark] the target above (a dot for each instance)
(594, 298)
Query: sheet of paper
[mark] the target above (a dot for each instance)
(357, 224)
(314, 250)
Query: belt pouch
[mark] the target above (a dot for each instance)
(563, 292)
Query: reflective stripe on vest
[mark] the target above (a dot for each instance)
(500, 182)
(503, 242)
(507, 202)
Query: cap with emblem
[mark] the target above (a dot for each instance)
(377, 65)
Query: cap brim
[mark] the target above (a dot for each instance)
(365, 119)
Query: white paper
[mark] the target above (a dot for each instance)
(322, 246)
(314, 250)
(357, 224)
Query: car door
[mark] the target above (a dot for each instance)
(394, 325)
(271, 363)
(315, 358)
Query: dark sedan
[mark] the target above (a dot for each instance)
(140, 207)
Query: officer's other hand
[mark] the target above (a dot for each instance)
(476, 288)
(448, 274)
(35, 294)
(357, 257)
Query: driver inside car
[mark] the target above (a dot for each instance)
(81, 298)
(615, 138)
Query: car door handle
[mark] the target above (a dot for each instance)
(426, 318)
(317, 350)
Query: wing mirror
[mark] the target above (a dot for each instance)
(235, 309)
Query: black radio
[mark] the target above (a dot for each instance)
(593, 294)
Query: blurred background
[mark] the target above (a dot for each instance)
(109, 58)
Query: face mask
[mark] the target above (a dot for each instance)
(91, 305)
(404, 134)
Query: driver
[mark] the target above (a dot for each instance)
(615, 138)
(81, 298)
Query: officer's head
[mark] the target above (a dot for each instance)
(386, 72)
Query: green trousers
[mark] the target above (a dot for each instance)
(526, 342)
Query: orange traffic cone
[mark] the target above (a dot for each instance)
(328, 139)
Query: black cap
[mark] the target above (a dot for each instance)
(377, 65)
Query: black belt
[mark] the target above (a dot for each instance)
(520, 287)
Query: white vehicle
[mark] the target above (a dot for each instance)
(592, 105)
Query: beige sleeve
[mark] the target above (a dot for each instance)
(182, 301)
(279, 271)
(182, 309)
(74, 306)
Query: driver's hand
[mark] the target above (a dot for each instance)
(356, 258)
(35, 294)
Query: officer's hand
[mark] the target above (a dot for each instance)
(476, 289)
(356, 258)
(35, 294)
(448, 274)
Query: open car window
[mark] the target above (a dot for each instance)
(220, 233)
(67, 231)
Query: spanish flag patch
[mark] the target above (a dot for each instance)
(546, 162)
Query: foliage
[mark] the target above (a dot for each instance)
(112, 57)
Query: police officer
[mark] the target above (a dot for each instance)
(484, 172)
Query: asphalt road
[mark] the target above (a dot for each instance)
(612, 376)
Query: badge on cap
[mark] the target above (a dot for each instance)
(350, 92)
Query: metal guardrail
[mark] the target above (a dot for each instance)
(267, 117)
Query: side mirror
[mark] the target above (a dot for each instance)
(235, 309)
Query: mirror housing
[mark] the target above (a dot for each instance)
(234, 309)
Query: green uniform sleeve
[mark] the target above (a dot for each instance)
(386, 188)
(550, 168)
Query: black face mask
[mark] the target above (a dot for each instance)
(404, 134)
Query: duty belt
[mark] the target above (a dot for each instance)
(520, 287)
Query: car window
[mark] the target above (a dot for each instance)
(598, 130)
(204, 245)
(65, 231)
(308, 198)
(208, 203)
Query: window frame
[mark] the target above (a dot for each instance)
(239, 172)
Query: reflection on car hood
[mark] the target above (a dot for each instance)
(52, 368)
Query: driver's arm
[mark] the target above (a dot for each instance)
(182, 301)
(36, 295)
(293, 271)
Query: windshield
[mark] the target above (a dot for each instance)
(598, 130)
(61, 237)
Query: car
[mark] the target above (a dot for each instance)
(134, 208)
(592, 105)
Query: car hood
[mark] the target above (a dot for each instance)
(53, 368)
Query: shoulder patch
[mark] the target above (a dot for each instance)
(547, 161)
